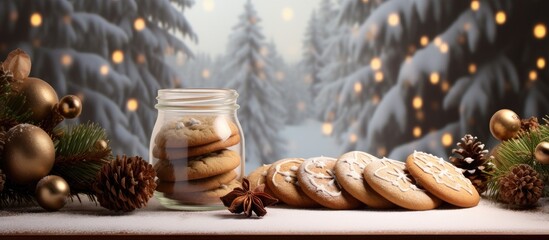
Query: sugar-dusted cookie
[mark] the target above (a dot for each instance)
(349, 170)
(203, 166)
(199, 185)
(317, 180)
(180, 153)
(190, 131)
(205, 197)
(282, 180)
(258, 177)
(390, 179)
(442, 179)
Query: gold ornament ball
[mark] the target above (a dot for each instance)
(40, 97)
(29, 154)
(101, 144)
(70, 106)
(505, 124)
(52, 192)
(541, 154)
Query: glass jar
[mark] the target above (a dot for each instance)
(196, 148)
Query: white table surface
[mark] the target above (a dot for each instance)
(87, 218)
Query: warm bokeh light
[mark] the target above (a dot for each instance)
(424, 40)
(287, 14)
(36, 20)
(208, 5)
(447, 139)
(381, 151)
(420, 116)
(139, 24)
(66, 60)
(358, 87)
(417, 102)
(444, 48)
(280, 75)
(375, 63)
(501, 17)
(132, 104)
(327, 129)
(417, 131)
(205, 73)
(13, 16)
(393, 19)
(104, 70)
(434, 78)
(117, 56)
(141, 59)
(533, 75)
(301, 106)
(540, 63)
(378, 76)
(540, 30)
(375, 99)
(438, 41)
(475, 5)
(472, 68)
(264, 51)
(353, 138)
(445, 86)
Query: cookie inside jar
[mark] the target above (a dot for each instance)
(197, 159)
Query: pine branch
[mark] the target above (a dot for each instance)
(78, 159)
(519, 151)
(15, 195)
(12, 111)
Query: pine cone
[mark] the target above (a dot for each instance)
(5, 75)
(529, 124)
(2, 180)
(125, 184)
(474, 161)
(521, 187)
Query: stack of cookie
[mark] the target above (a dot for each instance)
(356, 179)
(197, 159)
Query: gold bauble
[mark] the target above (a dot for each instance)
(101, 144)
(29, 154)
(505, 124)
(541, 154)
(70, 106)
(40, 97)
(52, 192)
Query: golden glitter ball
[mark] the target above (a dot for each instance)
(504, 124)
(70, 106)
(541, 154)
(52, 192)
(40, 97)
(29, 154)
(101, 144)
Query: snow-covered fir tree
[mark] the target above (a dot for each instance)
(110, 53)
(312, 52)
(252, 76)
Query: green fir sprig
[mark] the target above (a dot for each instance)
(519, 151)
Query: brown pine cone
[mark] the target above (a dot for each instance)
(125, 184)
(529, 124)
(521, 187)
(474, 161)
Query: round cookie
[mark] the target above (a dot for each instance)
(205, 197)
(181, 153)
(258, 177)
(443, 179)
(193, 131)
(317, 180)
(349, 170)
(390, 179)
(199, 185)
(203, 166)
(282, 181)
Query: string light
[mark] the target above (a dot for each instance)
(533, 75)
(375, 63)
(540, 63)
(139, 24)
(424, 40)
(500, 17)
(287, 14)
(117, 56)
(444, 48)
(66, 60)
(417, 131)
(540, 31)
(378, 76)
(36, 20)
(475, 5)
(132, 104)
(327, 128)
(104, 70)
(447, 139)
(472, 68)
(417, 102)
(208, 5)
(205, 73)
(358, 87)
(438, 41)
(393, 19)
(445, 86)
(434, 78)
(353, 138)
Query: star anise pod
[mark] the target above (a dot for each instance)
(242, 199)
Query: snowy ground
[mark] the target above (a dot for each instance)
(305, 140)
